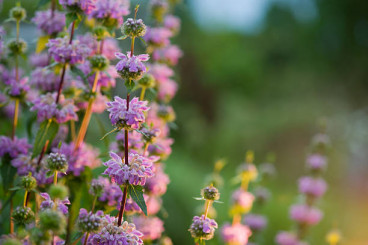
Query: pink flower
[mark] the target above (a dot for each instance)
(111, 9)
(305, 215)
(243, 198)
(157, 185)
(151, 227)
(311, 186)
(169, 54)
(48, 22)
(158, 36)
(256, 222)
(63, 52)
(287, 238)
(235, 234)
(316, 162)
(172, 23)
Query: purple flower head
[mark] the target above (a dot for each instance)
(170, 54)
(39, 60)
(18, 88)
(63, 52)
(256, 222)
(131, 67)
(49, 204)
(85, 5)
(135, 141)
(151, 227)
(135, 173)
(122, 117)
(316, 162)
(167, 90)
(111, 194)
(44, 79)
(304, 214)
(312, 187)
(13, 147)
(286, 238)
(47, 108)
(161, 147)
(158, 36)
(235, 234)
(203, 228)
(89, 222)
(111, 12)
(172, 23)
(49, 22)
(157, 185)
(78, 159)
(110, 233)
(242, 199)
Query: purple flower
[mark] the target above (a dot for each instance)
(172, 23)
(85, 5)
(13, 147)
(98, 106)
(135, 141)
(78, 159)
(39, 60)
(256, 222)
(151, 227)
(169, 54)
(312, 187)
(49, 204)
(287, 238)
(131, 67)
(120, 116)
(25, 165)
(167, 90)
(136, 172)
(18, 88)
(157, 185)
(158, 36)
(304, 214)
(111, 193)
(89, 222)
(235, 234)
(113, 234)
(63, 52)
(45, 79)
(49, 22)
(47, 108)
(111, 9)
(203, 228)
(242, 199)
(316, 162)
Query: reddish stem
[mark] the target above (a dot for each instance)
(61, 84)
(122, 207)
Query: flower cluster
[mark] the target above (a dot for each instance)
(203, 228)
(111, 12)
(65, 52)
(131, 67)
(49, 22)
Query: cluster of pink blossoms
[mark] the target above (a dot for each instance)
(49, 22)
(64, 52)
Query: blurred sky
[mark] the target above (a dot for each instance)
(245, 15)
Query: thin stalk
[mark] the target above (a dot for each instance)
(11, 220)
(25, 199)
(87, 115)
(42, 153)
(122, 207)
(53, 4)
(100, 51)
(143, 91)
(94, 203)
(15, 118)
(207, 207)
(86, 238)
(61, 83)
(17, 28)
(72, 130)
(72, 32)
(55, 177)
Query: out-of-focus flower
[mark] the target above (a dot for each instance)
(210, 193)
(172, 23)
(304, 214)
(13, 147)
(45, 79)
(235, 234)
(110, 12)
(85, 5)
(64, 52)
(314, 187)
(39, 60)
(256, 222)
(287, 238)
(134, 28)
(316, 162)
(242, 201)
(49, 22)
(99, 104)
(111, 194)
(157, 185)
(49, 204)
(18, 88)
(203, 228)
(158, 36)
(151, 227)
(169, 54)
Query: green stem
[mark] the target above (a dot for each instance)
(143, 91)
(94, 203)
(86, 238)
(17, 27)
(15, 118)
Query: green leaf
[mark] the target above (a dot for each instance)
(129, 84)
(143, 41)
(78, 72)
(15, 188)
(122, 38)
(136, 192)
(7, 172)
(51, 65)
(48, 130)
(73, 16)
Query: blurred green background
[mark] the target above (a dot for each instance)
(261, 83)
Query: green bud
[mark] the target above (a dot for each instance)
(147, 81)
(210, 193)
(133, 28)
(29, 182)
(58, 192)
(52, 220)
(18, 13)
(100, 32)
(99, 62)
(22, 216)
(17, 47)
(39, 237)
(57, 162)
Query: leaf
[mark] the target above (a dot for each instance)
(15, 188)
(122, 38)
(73, 16)
(51, 65)
(41, 43)
(29, 125)
(78, 72)
(136, 192)
(143, 41)
(112, 131)
(7, 172)
(48, 130)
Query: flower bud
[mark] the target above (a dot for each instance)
(89, 222)
(147, 81)
(58, 192)
(17, 47)
(97, 187)
(100, 32)
(23, 215)
(99, 62)
(57, 162)
(210, 193)
(133, 28)
(52, 220)
(28, 182)
(39, 237)
(18, 13)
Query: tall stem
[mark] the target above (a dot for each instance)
(94, 203)
(17, 28)
(42, 153)
(86, 238)
(11, 220)
(87, 115)
(143, 91)
(25, 199)
(15, 119)
(122, 206)
(55, 177)
(61, 83)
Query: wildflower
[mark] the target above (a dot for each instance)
(13, 147)
(17, 13)
(169, 54)
(47, 108)
(44, 79)
(28, 182)
(98, 185)
(18, 89)
(23, 216)
(49, 22)
(210, 193)
(64, 52)
(242, 201)
(135, 172)
(49, 204)
(130, 118)
(159, 8)
(158, 37)
(203, 228)
(17, 47)
(99, 62)
(111, 193)
(82, 5)
(131, 67)
(39, 60)
(110, 233)
(172, 23)
(157, 185)
(57, 162)
(167, 90)
(256, 222)
(312, 187)
(89, 222)
(52, 220)
(287, 238)
(151, 227)
(235, 234)
(133, 28)
(304, 214)
(111, 12)
(316, 162)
